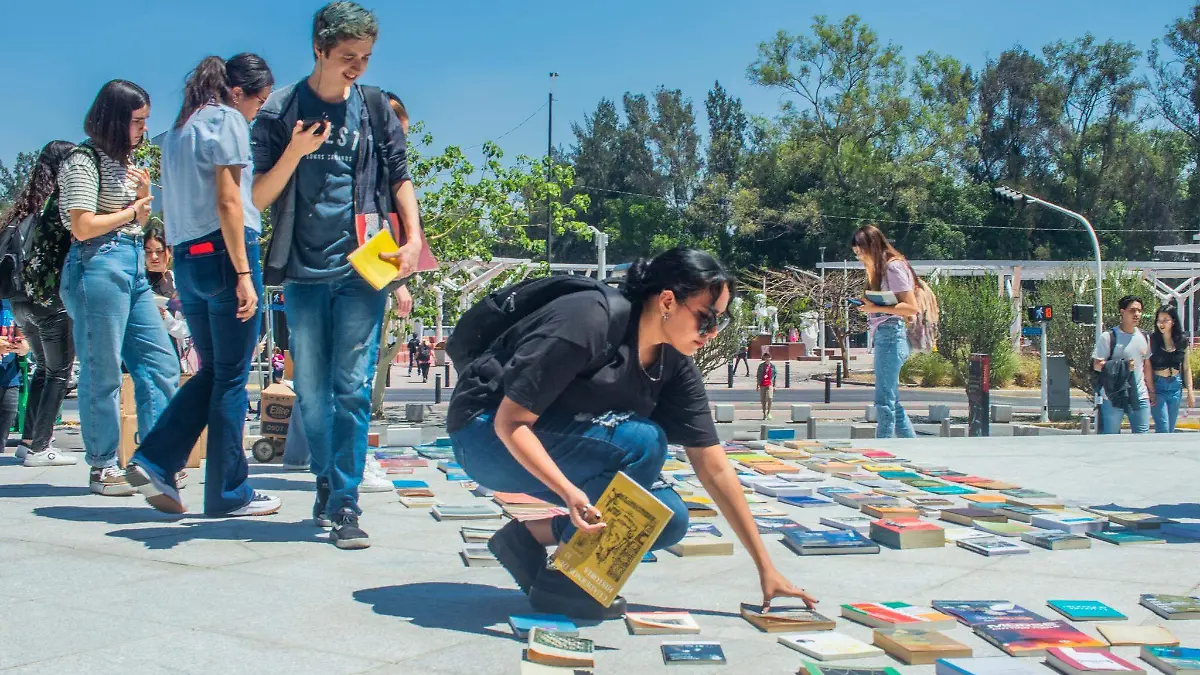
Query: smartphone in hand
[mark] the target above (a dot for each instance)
(854, 301)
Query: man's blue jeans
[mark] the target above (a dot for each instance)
(1168, 391)
(114, 319)
(333, 332)
(589, 450)
(216, 395)
(891, 351)
(1139, 417)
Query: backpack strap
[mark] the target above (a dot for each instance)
(1112, 347)
(377, 113)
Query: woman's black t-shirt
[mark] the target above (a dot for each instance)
(549, 364)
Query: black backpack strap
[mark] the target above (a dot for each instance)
(1112, 347)
(377, 113)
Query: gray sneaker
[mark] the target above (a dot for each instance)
(110, 482)
(22, 450)
(159, 493)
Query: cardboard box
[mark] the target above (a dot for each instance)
(128, 405)
(373, 440)
(129, 427)
(278, 400)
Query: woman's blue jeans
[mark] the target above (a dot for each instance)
(891, 351)
(589, 449)
(1168, 391)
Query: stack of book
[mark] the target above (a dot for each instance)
(904, 533)
(839, 542)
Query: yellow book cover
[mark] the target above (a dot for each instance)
(601, 562)
(366, 260)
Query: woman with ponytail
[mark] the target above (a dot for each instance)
(213, 227)
(551, 409)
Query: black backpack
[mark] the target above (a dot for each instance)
(14, 251)
(1116, 378)
(491, 317)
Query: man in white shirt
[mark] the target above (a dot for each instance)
(1132, 346)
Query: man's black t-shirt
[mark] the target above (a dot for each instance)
(549, 363)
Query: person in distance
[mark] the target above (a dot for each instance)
(1169, 354)
(1130, 396)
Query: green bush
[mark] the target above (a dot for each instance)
(927, 370)
(1029, 371)
(1005, 366)
(975, 319)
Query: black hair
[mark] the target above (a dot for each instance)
(43, 180)
(1156, 337)
(339, 21)
(1128, 300)
(214, 79)
(397, 105)
(683, 271)
(107, 122)
(155, 232)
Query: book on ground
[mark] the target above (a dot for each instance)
(919, 647)
(1172, 606)
(1068, 521)
(810, 668)
(709, 529)
(942, 489)
(970, 515)
(701, 544)
(1003, 529)
(907, 533)
(884, 511)
(1173, 660)
(889, 616)
(555, 649)
(523, 623)
(829, 646)
(828, 543)
(601, 562)
(860, 524)
(1021, 513)
(1123, 537)
(957, 534)
(478, 555)
(477, 534)
(988, 665)
(419, 502)
(1134, 520)
(1055, 541)
(1128, 635)
(1084, 662)
(785, 619)
(698, 653)
(770, 525)
(1032, 638)
(465, 512)
(777, 487)
(977, 612)
(660, 623)
(1085, 610)
(990, 546)
(805, 502)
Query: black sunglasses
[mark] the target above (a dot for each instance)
(709, 321)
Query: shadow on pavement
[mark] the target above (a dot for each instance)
(43, 490)
(113, 515)
(254, 531)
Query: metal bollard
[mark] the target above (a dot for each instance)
(812, 428)
(827, 383)
(945, 431)
(437, 388)
(787, 375)
(447, 366)
(1085, 425)
(730, 385)
(839, 375)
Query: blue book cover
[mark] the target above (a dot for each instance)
(692, 652)
(649, 557)
(781, 434)
(775, 525)
(523, 623)
(703, 528)
(442, 442)
(978, 612)
(836, 490)
(948, 490)
(804, 502)
(457, 475)
(409, 484)
(1180, 658)
(1085, 610)
(800, 541)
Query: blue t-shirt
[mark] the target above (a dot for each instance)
(10, 370)
(215, 135)
(324, 233)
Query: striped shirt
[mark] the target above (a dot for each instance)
(81, 189)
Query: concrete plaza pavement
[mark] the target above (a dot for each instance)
(105, 585)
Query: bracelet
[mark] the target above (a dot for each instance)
(243, 273)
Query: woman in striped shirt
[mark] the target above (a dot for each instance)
(106, 201)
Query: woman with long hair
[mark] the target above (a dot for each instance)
(106, 200)
(40, 313)
(887, 270)
(162, 281)
(1172, 372)
(213, 226)
(552, 410)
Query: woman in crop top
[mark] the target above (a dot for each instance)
(534, 415)
(1169, 360)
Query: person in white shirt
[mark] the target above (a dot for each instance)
(1132, 346)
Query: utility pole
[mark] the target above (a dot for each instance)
(821, 313)
(550, 170)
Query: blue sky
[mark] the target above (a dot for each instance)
(474, 70)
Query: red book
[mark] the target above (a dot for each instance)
(876, 454)
(899, 525)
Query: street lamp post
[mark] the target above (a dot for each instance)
(601, 240)
(550, 169)
(821, 314)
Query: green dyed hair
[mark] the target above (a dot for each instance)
(340, 21)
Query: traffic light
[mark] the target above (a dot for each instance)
(1085, 314)
(1009, 196)
(1040, 313)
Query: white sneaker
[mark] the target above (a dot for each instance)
(49, 457)
(22, 450)
(372, 482)
(259, 505)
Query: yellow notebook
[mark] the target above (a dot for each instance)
(601, 562)
(366, 260)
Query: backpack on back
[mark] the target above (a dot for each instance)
(923, 327)
(491, 317)
(44, 247)
(14, 240)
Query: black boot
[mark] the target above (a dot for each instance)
(554, 593)
(519, 553)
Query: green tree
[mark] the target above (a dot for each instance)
(12, 180)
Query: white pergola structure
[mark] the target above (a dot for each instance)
(1010, 274)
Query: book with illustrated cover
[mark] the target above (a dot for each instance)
(785, 619)
(1134, 520)
(839, 542)
(1069, 521)
(778, 487)
(1085, 610)
(521, 624)
(1023, 514)
(1084, 662)
(477, 534)
(905, 533)
(1027, 493)
(419, 502)
(957, 534)
(919, 647)
(1173, 660)
(692, 653)
(990, 546)
(987, 665)
(925, 501)
(601, 562)
(805, 502)
(889, 511)
(948, 490)
(889, 616)
(1123, 537)
(988, 484)
(768, 525)
(809, 668)
(1128, 635)
(1033, 638)
(660, 623)
(703, 529)
(564, 651)
(1172, 606)
(478, 555)
(977, 612)
(1056, 541)
(969, 516)
(829, 646)
(860, 524)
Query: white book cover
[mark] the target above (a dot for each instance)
(989, 665)
(829, 646)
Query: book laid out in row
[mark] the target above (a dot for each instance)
(786, 619)
(919, 647)
(890, 616)
(693, 653)
(1070, 661)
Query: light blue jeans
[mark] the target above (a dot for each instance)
(114, 318)
(1168, 391)
(1139, 417)
(333, 332)
(891, 351)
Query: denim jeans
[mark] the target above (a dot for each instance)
(216, 395)
(114, 319)
(891, 351)
(589, 450)
(1168, 391)
(333, 332)
(9, 400)
(48, 332)
(1139, 417)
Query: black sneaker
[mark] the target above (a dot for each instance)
(346, 533)
(519, 553)
(320, 507)
(554, 593)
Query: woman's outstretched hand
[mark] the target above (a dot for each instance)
(775, 585)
